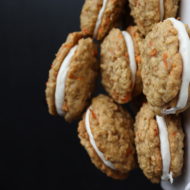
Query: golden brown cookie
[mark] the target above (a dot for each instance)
(165, 67)
(151, 146)
(149, 12)
(121, 64)
(106, 132)
(72, 77)
(99, 16)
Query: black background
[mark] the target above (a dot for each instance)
(38, 151)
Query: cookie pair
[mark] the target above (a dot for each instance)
(121, 64)
(159, 144)
(166, 67)
(147, 13)
(98, 17)
(72, 77)
(106, 132)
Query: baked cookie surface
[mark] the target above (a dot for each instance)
(162, 67)
(149, 12)
(112, 130)
(117, 75)
(94, 23)
(80, 77)
(148, 144)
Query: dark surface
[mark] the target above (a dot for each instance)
(39, 151)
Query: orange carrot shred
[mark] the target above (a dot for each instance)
(93, 114)
(68, 45)
(127, 98)
(156, 132)
(174, 133)
(126, 55)
(71, 76)
(85, 31)
(138, 59)
(65, 107)
(165, 56)
(153, 52)
(100, 30)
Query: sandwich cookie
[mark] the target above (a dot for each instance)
(166, 67)
(72, 77)
(121, 64)
(149, 12)
(159, 145)
(106, 132)
(98, 17)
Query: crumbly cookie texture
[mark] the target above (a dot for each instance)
(71, 41)
(147, 12)
(148, 144)
(81, 80)
(115, 66)
(89, 15)
(112, 129)
(162, 67)
(81, 76)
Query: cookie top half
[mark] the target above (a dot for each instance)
(72, 77)
(159, 145)
(99, 16)
(146, 13)
(121, 64)
(106, 132)
(166, 67)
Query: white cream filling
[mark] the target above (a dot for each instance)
(93, 143)
(99, 19)
(184, 50)
(161, 10)
(60, 83)
(131, 52)
(165, 149)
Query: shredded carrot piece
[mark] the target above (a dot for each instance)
(165, 56)
(153, 52)
(174, 133)
(156, 132)
(100, 30)
(65, 107)
(127, 98)
(93, 114)
(69, 45)
(138, 59)
(71, 76)
(126, 55)
(120, 36)
(85, 31)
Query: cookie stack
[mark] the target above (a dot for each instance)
(150, 58)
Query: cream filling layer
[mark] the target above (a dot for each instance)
(93, 143)
(184, 49)
(161, 10)
(99, 19)
(61, 79)
(165, 149)
(131, 53)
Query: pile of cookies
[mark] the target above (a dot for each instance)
(150, 57)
